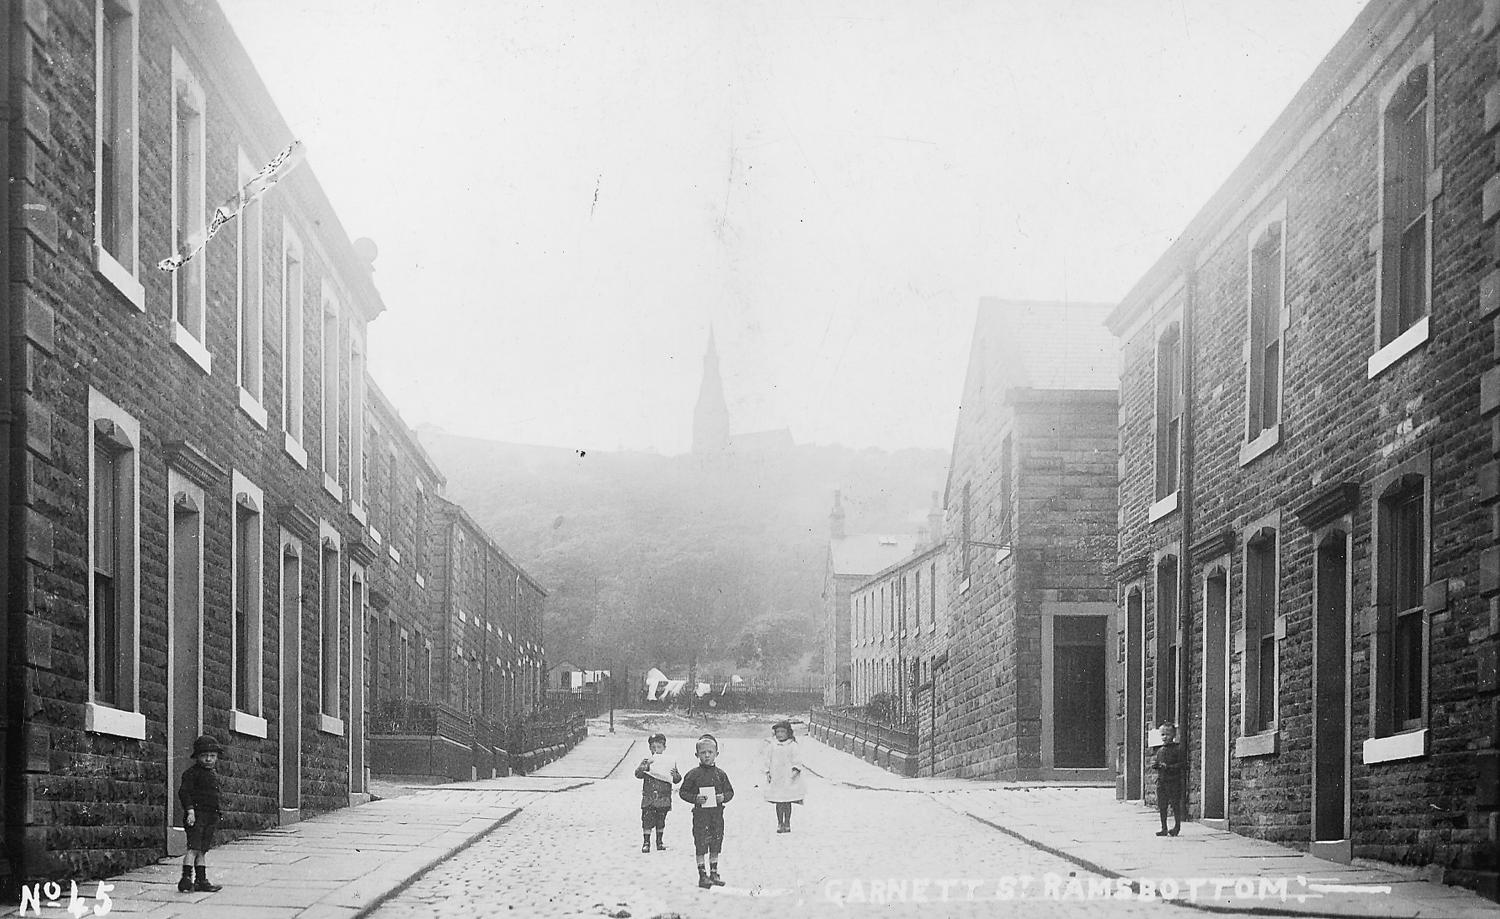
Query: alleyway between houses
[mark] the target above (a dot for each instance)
(566, 842)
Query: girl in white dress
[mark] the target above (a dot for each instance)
(785, 785)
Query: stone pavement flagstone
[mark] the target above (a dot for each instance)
(340, 864)
(1091, 829)
(578, 854)
(565, 842)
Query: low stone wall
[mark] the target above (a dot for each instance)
(538, 745)
(525, 748)
(867, 741)
(426, 755)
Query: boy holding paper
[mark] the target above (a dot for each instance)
(707, 788)
(657, 774)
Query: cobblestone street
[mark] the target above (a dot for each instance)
(852, 851)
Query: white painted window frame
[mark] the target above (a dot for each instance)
(1268, 436)
(1266, 739)
(190, 306)
(1411, 338)
(118, 21)
(125, 718)
(328, 373)
(293, 343)
(250, 323)
(248, 567)
(330, 624)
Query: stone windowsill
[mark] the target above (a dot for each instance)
(102, 719)
(193, 348)
(247, 724)
(1162, 508)
(295, 451)
(1266, 743)
(1395, 748)
(120, 278)
(1261, 445)
(251, 406)
(328, 724)
(1400, 347)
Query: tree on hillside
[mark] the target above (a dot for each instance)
(773, 643)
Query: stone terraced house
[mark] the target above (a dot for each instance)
(1024, 686)
(1309, 425)
(215, 522)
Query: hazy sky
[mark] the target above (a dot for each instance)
(566, 195)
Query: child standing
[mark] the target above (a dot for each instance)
(1168, 764)
(199, 794)
(708, 789)
(784, 783)
(657, 776)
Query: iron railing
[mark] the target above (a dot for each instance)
(900, 734)
(438, 719)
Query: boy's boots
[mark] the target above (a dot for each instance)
(185, 885)
(703, 880)
(714, 879)
(200, 881)
(660, 846)
(645, 842)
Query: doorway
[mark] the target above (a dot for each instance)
(291, 680)
(1135, 690)
(1330, 791)
(1215, 769)
(185, 646)
(1079, 692)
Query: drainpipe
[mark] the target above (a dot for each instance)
(12, 541)
(1185, 508)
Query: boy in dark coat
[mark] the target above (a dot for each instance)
(1168, 763)
(657, 778)
(199, 794)
(707, 788)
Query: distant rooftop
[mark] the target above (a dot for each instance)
(863, 554)
(1031, 344)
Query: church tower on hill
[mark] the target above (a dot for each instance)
(711, 416)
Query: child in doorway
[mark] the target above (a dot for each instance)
(1168, 764)
(657, 775)
(199, 794)
(707, 788)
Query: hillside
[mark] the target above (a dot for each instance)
(653, 560)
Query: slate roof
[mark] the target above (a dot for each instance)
(863, 554)
(1033, 344)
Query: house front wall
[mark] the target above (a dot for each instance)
(1285, 629)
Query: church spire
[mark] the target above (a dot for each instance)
(711, 416)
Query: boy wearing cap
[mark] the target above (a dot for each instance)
(199, 794)
(657, 776)
(707, 788)
(1168, 764)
